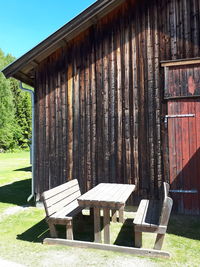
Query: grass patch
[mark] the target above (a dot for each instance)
(22, 233)
(14, 167)
(15, 175)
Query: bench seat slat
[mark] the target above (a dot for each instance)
(69, 211)
(147, 213)
(141, 211)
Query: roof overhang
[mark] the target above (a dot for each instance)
(22, 68)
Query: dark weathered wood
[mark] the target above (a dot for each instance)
(182, 81)
(121, 249)
(99, 99)
(70, 121)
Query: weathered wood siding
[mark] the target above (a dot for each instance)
(99, 99)
(182, 81)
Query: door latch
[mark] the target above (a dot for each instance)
(177, 116)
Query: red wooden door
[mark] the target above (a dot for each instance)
(183, 122)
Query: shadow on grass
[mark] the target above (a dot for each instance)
(26, 169)
(36, 233)
(83, 230)
(16, 193)
(126, 234)
(185, 226)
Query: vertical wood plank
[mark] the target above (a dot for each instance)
(88, 124)
(135, 105)
(127, 120)
(76, 117)
(93, 118)
(159, 85)
(99, 125)
(119, 108)
(112, 128)
(192, 181)
(106, 108)
(70, 120)
(150, 102)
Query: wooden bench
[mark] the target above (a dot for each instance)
(61, 206)
(152, 216)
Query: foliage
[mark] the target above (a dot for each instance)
(15, 110)
(7, 110)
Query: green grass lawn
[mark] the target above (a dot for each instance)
(22, 232)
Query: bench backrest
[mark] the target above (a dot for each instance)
(59, 197)
(166, 206)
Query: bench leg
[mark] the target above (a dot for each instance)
(69, 230)
(138, 239)
(52, 229)
(159, 241)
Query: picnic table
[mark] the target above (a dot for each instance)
(106, 196)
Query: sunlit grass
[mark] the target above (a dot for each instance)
(12, 165)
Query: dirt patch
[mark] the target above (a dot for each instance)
(12, 211)
(84, 257)
(4, 263)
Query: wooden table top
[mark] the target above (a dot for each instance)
(107, 195)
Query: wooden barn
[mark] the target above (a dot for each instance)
(117, 99)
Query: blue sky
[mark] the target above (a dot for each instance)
(25, 23)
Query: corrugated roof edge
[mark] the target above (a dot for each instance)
(89, 16)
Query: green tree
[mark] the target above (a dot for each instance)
(22, 103)
(7, 110)
(15, 111)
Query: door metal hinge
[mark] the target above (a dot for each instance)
(177, 116)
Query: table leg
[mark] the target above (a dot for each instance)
(97, 226)
(114, 216)
(121, 215)
(91, 213)
(106, 222)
